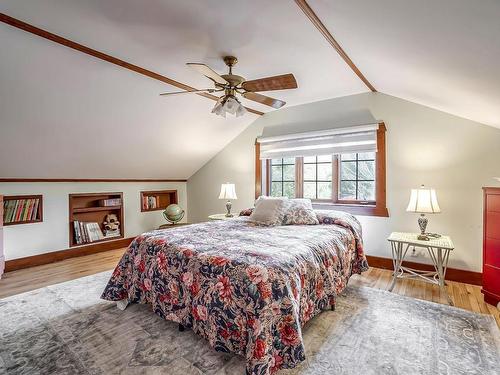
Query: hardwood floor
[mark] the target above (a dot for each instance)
(465, 296)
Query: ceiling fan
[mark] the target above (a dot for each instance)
(231, 84)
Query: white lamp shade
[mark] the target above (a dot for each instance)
(227, 191)
(423, 201)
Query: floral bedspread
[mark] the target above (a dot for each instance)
(247, 289)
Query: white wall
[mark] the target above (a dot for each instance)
(52, 234)
(424, 146)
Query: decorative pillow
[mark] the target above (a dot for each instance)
(300, 212)
(269, 210)
(246, 212)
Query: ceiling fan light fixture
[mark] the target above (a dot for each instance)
(228, 104)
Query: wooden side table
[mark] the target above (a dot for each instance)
(221, 217)
(439, 251)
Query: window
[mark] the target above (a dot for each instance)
(357, 177)
(282, 177)
(353, 182)
(317, 177)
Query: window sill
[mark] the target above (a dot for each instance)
(355, 209)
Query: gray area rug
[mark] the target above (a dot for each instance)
(67, 329)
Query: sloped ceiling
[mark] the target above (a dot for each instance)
(64, 114)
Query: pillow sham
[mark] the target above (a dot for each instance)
(300, 212)
(269, 210)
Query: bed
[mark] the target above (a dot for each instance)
(247, 289)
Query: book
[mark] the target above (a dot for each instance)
(9, 210)
(19, 211)
(110, 202)
(35, 210)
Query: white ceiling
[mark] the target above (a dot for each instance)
(81, 117)
(444, 54)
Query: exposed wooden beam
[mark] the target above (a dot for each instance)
(100, 55)
(2, 179)
(329, 37)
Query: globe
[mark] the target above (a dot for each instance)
(173, 213)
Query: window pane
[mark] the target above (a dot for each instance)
(324, 190)
(366, 170)
(366, 156)
(324, 158)
(276, 189)
(347, 190)
(310, 190)
(348, 157)
(325, 172)
(288, 160)
(309, 159)
(366, 190)
(289, 189)
(289, 172)
(309, 171)
(276, 173)
(348, 170)
(276, 161)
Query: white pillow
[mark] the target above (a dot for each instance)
(300, 212)
(269, 210)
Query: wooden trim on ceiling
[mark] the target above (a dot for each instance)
(452, 274)
(89, 180)
(100, 55)
(329, 37)
(55, 256)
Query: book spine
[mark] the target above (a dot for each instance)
(19, 212)
(8, 213)
(75, 232)
(35, 209)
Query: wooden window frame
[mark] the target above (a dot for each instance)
(368, 208)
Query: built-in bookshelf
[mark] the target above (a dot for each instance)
(87, 213)
(157, 200)
(22, 209)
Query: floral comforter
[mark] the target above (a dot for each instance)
(247, 289)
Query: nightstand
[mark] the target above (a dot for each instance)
(221, 217)
(439, 251)
(168, 226)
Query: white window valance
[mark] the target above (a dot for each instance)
(347, 140)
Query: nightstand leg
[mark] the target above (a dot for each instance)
(441, 265)
(397, 260)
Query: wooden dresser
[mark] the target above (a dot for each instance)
(2, 258)
(491, 246)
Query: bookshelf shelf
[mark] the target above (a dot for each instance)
(22, 209)
(94, 209)
(89, 208)
(157, 200)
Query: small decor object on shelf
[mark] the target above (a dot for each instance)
(173, 213)
(110, 202)
(423, 201)
(111, 226)
(228, 191)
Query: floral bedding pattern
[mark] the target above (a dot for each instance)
(247, 289)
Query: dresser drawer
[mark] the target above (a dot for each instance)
(493, 203)
(491, 279)
(493, 225)
(492, 252)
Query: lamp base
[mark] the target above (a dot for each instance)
(228, 208)
(422, 223)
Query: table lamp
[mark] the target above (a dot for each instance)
(423, 201)
(227, 191)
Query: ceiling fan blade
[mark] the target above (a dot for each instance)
(282, 82)
(187, 92)
(259, 98)
(208, 72)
